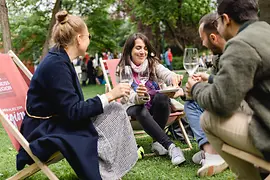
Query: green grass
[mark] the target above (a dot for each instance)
(148, 168)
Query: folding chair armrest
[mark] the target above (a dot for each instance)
(178, 113)
(246, 156)
(19, 137)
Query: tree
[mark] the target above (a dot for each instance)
(57, 7)
(181, 18)
(5, 26)
(30, 20)
(264, 10)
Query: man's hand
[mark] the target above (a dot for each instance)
(200, 76)
(189, 86)
(120, 90)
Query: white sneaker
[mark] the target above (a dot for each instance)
(158, 149)
(198, 157)
(176, 154)
(211, 165)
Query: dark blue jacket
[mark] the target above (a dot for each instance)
(55, 90)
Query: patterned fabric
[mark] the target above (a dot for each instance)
(117, 150)
(139, 68)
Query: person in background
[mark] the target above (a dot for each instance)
(168, 59)
(59, 119)
(99, 75)
(203, 58)
(209, 58)
(243, 75)
(84, 72)
(110, 55)
(91, 72)
(79, 61)
(150, 108)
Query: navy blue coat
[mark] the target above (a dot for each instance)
(55, 90)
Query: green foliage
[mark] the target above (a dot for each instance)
(192, 11)
(153, 11)
(29, 34)
(29, 21)
(109, 21)
(178, 63)
(180, 18)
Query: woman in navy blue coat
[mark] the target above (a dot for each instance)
(95, 136)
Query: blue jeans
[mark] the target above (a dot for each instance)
(193, 112)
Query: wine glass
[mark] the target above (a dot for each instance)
(191, 60)
(144, 76)
(202, 67)
(126, 75)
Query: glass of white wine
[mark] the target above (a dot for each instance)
(126, 75)
(191, 60)
(144, 76)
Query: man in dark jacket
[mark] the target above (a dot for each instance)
(244, 74)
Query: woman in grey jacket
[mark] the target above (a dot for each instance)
(150, 108)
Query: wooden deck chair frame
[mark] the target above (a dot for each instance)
(258, 162)
(38, 165)
(108, 86)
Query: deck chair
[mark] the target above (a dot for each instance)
(13, 89)
(258, 162)
(111, 64)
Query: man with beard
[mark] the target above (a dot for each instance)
(211, 162)
(244, 74)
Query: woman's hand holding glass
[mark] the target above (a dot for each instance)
(120, 90)
(142, 91)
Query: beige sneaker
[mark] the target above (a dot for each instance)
(211, 165)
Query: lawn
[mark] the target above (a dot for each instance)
(149, 168)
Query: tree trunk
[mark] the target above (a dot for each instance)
(5, 26)
(264, 10)
(46, 45)
(180, 46)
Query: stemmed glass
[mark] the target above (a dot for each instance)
(202, 68)
(191, 60)
(126, 75)
(144, 76)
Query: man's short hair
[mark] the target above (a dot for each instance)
(208, 23)
(239, 10)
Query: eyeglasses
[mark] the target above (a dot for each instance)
(89, 36)
(215, 22)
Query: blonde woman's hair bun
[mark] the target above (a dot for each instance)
(62, 17)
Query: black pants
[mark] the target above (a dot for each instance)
(154, 120)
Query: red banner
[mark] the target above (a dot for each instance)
(13, 89)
